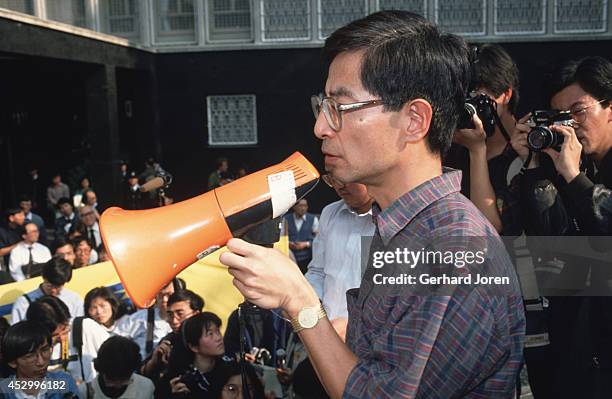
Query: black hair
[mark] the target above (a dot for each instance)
(64, 200)
(12, 211)
(22, 338)
(405, 57)
(220, 160)
(25, 197)
(79, 239)
(118, 358)
(231, 369)
(57, 271)
(497, 72)
(196, 302)
(592, 74)
(104, 293)
(60, 242)
(50, 311)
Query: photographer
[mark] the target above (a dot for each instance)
(486, 155)
(563, 197)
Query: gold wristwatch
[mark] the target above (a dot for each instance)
(308, 318)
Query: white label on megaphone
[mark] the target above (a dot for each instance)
(282, 192)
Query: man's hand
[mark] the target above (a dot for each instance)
(472, 139)
(162, 352)
(284, 375)
(268, 278)
(567, 161)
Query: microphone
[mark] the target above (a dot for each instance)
(162, 179)
(281, 358)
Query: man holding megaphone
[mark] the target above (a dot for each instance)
(393, 94)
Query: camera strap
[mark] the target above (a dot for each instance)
(501, 127)
(243, 365)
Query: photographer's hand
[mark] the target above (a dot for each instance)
(567, 161)
(177, 386)
(472, 139)
(518, 139)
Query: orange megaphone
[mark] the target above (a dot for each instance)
(150, 247)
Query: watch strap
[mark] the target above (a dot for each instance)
(295, 322)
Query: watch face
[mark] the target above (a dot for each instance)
(308, 317)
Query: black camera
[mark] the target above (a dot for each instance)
(540, 136)
(485, 107)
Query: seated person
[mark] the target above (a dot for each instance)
(55, 274)
(65, 334)
(63, 248)
(182, 305)
(67, 218)
(26, 257)
(117, 361)
(103, 306)
(85, 254)
(196, 362)
(26, 348)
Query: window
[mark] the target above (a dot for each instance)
(461, 17)
(336, 13)
(24, 6)
(416, 6)
(283, 20)
(520, 16)
(229, 20)
(121, 17)
(578, 16)
(67, 11)
(232, 120)
(174, 21)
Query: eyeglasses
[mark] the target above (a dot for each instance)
(579, 114)
(234, 390)
(332, 182)
(44, 352)
(333, 111)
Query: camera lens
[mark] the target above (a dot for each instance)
(465, 118)
(541, 137)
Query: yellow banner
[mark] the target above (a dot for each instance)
(207, 277)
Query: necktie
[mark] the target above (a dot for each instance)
(92, 238)
(30, 263)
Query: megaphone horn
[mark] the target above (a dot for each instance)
(150, 247)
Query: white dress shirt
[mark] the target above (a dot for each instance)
(299, 221)
(20, 256)
(336, 264)
(70, 298)
(135, 326)
(139, 388)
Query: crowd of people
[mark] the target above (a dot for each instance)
(316, 326)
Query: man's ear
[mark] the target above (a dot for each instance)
(418, 113)
(506, 96)
(12, 364)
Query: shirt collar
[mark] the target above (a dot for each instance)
(346, 208)
(296, 217)
(401, 212)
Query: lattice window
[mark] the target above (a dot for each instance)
(175, 20)
(67, 11)
(232, 120)
(336, 13)
(520, 16)
(461, 16)
(576, 16)
(416, 6)
(121, 16)
(285, 20)
(229, 19)
(24, 6)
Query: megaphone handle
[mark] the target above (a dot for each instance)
(243, 362)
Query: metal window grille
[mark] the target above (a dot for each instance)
(175, 20)
(336, 13)
(67, 11)
(24, 6)
(284, 20)
(229, 19)
(580, 16)
(520, 16)
(416, 6)
(232, 120)
(123, 17)
(461, 16)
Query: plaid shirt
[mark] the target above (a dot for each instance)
(467, 344)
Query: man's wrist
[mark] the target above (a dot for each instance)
(307, 298)
(570, 175)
